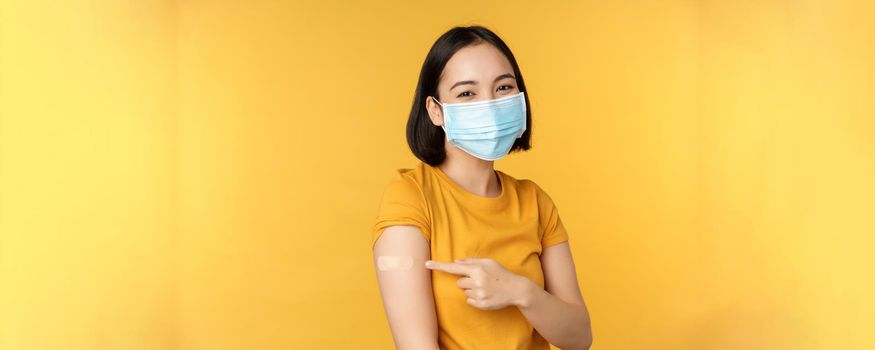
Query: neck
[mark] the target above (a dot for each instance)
(473, 174)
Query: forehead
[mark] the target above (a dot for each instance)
(479, 62)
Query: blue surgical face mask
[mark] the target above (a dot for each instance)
(485, 129)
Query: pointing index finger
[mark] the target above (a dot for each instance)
(453, 268)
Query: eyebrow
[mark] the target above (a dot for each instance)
(472, 82)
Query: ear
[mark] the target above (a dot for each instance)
(435, 113)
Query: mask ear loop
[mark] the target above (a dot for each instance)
(444, 116)
(525, 124)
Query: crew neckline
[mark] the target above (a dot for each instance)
(456, 187)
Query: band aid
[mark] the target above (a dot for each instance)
(394, 262)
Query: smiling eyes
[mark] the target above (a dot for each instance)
(469, 93)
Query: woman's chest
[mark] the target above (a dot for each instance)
(509, 235)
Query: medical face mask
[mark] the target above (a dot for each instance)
(485, 129)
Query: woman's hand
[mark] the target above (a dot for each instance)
(488, 285)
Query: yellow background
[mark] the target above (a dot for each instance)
(204, 174)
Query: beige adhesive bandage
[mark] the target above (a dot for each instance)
(394, 262)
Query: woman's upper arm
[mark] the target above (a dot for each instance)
(406, 288)
(560, 276)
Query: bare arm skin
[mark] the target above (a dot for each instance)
(407, 293)
(558, 311)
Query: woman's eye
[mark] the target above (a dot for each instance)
(465, 94)
(505, 87)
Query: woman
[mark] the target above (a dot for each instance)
(468, 257)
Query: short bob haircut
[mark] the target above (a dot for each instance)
(425, 139)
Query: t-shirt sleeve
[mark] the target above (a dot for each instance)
(402, 204)
(552, 230)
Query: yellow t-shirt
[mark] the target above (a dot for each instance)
(512, 228)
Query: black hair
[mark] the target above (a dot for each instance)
(425, 139)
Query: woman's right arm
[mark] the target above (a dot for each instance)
(405, 285)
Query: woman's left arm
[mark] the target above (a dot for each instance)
(558, 311)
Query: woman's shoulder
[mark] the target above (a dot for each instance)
(521, 184)
(528, 186)
(407, 181)
(414, 175)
